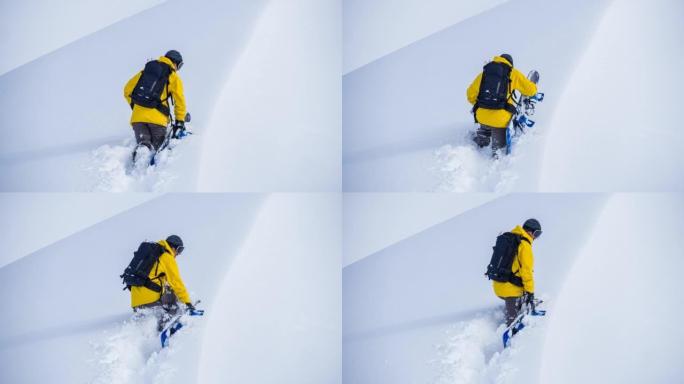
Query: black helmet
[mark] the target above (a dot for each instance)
(533, 226)
(176, 243)
(507, 57)
(175, 57)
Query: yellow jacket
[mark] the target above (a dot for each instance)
(150, 115)
(166, 265)
(499, 118)
(523, 266)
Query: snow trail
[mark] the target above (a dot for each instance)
(462, 167)
(473, 352)
(133, 354)
(113, 170)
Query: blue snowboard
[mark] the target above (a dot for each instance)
(176, 324)
(517, 325)
(525, 107)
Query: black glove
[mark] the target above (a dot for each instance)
(190, 306)
(178, 126)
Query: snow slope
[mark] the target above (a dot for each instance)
(373, 29)
(67, 310)
(421, 311)
(278, 315)
(628, 143)
(278, 118)
(66, 123)
(61, 215)
(30, 30)
(406, 119)
(375, 221)
(629, 314)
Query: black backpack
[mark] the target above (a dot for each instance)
(148, 89)
(505, 250)
(494, 87)
(138, 270)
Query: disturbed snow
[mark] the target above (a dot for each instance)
(473, 352)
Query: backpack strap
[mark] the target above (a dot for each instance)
(474, 110)
(510, 107)
(517, 280)
(168, 96)
(149, 284)
(165, 109)
(477, 103)
(156, 265)
(152, 286)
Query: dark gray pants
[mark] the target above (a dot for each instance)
(513, 306)
(164, 308)
(486, 134)
(149, 135)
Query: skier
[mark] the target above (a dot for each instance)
(520, 287)
(148, 94)
(165, 277)
(491, 96)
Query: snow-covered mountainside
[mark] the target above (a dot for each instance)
(271, 300)
(30, 29)
(250, 78)
(607, 122)
(388, 25)
(374, 221)
(421, 310)
(22, 234)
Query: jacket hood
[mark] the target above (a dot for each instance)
(167, 247)
(170, 63)
(518, 230)
(499, 59)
